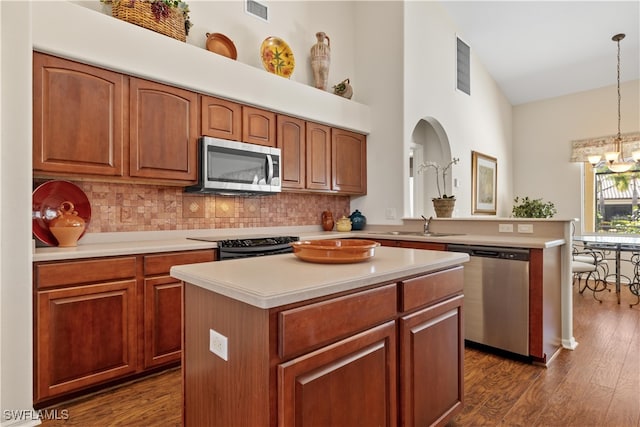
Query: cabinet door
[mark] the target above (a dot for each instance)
(422, 245)
(220, 118)
(431, 364)
(348, 162)
(163, 131)
(78, 118)
(84, 335)
(162, 320)
(291, 140)
(318, 157)
(349, 383)
(258, 126)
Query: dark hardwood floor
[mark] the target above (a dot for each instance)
(597, 384)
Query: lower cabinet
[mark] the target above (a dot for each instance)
(439, 329)
(350, 383)
(103, 319)
(385, 356)
(84, 335)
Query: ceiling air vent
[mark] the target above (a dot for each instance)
(464, 74)
(256, 9)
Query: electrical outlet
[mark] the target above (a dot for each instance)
(525, 228)
(390, 213)
(505, 228)
(218, 344)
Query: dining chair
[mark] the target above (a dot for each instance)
(590, 270)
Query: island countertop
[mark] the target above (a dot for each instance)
(272, 281)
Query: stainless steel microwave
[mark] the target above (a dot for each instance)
(237, 168)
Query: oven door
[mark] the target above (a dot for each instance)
(236, 166)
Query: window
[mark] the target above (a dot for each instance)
(611, 201)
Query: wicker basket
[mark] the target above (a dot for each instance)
(139, 13)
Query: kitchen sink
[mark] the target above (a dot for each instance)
(418, 233)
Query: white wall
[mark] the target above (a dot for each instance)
(480, 122)
(543, 131)
(15, 207)
(296, 22)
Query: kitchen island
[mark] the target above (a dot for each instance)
(279, 341)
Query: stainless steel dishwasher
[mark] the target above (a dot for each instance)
(496, 297)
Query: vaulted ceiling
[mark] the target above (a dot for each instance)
(543, 49)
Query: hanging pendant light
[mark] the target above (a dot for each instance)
(615, 159)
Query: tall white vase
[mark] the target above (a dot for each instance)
(320, 60)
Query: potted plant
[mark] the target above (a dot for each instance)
(442, 204)
(532, 208)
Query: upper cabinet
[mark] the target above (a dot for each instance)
(348, 162)
(291, 139)
(258, 126)
(78, 118)
(221, 118)
(100, 124)
(163, 131)
(93, 122)
(318, 157)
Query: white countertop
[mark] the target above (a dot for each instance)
(143, 243)
(276, 280)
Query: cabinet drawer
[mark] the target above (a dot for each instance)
(78, 272)
(162, 263)
(430, 288)
(315, 325)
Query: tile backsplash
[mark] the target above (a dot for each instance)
(129, 207)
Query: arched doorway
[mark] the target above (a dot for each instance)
(429, 142)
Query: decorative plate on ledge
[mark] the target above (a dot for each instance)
(334, 251)
(46, 201)
(277, 57)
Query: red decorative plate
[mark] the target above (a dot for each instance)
(47, 198)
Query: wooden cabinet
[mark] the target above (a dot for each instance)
(322, 158)
(348, 162)
(352, 382)
(163, 131)
(387, 355)
(85, 333)
(162, 313)
(93, 122)
(221, 118)
(79, 118)
(318, 157)
(410, 244)
(105, 319)
(291, 139)
(258, 126)
(432, 382)
(97, 123)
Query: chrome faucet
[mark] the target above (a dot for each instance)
(427, 223)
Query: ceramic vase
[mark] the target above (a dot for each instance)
(320, 60)
(67, 226)
(327, 221)
(343, 89)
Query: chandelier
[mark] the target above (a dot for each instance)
(615, 160)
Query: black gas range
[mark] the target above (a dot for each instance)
(251, 247)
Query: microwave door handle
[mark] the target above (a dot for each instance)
(269, 168)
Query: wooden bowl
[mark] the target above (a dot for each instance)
(334, 251)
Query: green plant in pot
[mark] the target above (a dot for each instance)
(532, 208)
(443, 204)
